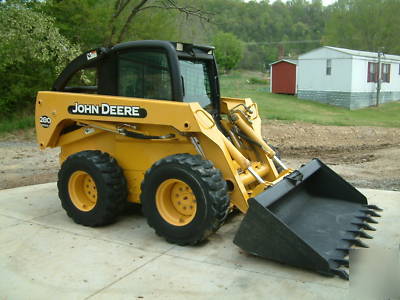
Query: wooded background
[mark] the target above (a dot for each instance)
(37, 38)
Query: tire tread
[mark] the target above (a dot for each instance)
(116, 187)
(212, 178)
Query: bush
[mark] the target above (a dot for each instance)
(228, 50)
(32, 53)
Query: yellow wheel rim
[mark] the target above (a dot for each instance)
(82, 190)
(176, 202)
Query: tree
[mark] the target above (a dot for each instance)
(364, 25)
(264, 26)
(93, 23)
(83, 22)
(126, 11)
(229, 50)
(32, 53)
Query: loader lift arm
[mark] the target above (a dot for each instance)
(144, 122)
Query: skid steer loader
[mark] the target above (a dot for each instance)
(143, 122)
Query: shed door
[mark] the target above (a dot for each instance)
(284, 78)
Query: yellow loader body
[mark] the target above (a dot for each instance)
(151, 128)
(100, 132)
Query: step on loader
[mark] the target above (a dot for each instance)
(144, 122)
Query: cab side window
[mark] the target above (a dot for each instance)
(83, 81)
(144, 74)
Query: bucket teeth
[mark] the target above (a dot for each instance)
(345, 250)
(342, 262)
(371, 212)
(361, 233)
(364, 226)
(341, 273)
(367, 219)
(372, 206)
(315, 223)
(357, 242)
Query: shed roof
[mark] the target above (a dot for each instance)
(290, 61)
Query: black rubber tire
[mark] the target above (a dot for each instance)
(110, 183)
(208, 186)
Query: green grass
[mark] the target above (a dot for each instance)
(289, 108)
(16, 122)
(271, 106)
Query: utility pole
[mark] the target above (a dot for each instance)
(378, 84)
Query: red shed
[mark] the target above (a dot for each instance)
(284, 76)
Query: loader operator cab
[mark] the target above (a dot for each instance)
(158, 70)
(188, 178)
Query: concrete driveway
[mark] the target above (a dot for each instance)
(44, 255)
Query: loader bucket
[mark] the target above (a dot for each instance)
(310, 220)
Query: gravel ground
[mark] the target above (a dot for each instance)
(365, 156)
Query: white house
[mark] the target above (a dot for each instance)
(347, 78)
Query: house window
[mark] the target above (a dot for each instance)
(385, 72)
(372, 72)
(328, 66)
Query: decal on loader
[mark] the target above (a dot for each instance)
(155, 131)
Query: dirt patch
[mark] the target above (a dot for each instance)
(22, 163)
(365, 156)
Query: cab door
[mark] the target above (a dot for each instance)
(144, 73)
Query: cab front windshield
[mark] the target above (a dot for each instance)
(196, 82)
